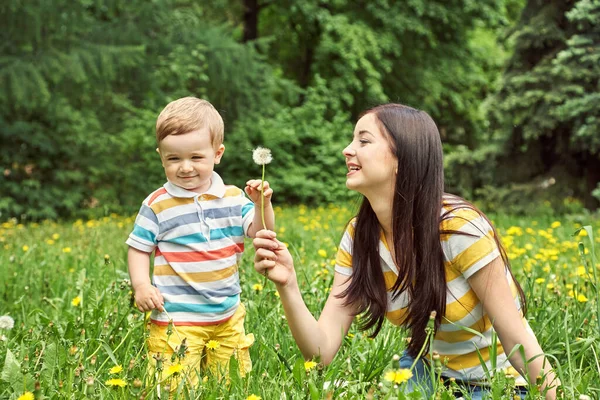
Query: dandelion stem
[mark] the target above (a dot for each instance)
(262, 198)
(174, 329)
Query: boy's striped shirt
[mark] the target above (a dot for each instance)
(197, 240)
(464, 255)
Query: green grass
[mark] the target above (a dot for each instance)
(66, 286)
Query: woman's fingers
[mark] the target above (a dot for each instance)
(264, 254)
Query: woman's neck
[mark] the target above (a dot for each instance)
(382, 206)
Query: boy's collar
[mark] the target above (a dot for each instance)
(217, 188)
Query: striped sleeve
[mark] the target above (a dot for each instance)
(145, 230)
(473, 247)
(247, 212)
(343, 258)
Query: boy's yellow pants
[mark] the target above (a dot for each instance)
(230, 339)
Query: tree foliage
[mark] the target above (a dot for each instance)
(81, 84)
(548, 108)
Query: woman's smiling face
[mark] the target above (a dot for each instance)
(372, 166)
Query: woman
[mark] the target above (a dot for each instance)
(412, 250)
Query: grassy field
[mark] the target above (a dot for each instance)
(77, 336)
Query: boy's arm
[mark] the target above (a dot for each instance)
(253, 191)
(147, 296)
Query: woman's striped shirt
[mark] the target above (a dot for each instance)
(464, 255)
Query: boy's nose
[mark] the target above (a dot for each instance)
(186, 166)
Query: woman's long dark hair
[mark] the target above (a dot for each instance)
(415, 141)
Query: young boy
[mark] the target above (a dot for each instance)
(195, 225)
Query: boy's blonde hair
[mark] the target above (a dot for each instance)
(189, 114)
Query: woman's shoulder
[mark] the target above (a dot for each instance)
(458, 215)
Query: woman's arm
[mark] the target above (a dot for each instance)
(314, 338)
(492, 288)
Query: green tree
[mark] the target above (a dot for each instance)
(548, 108)
(81, 84)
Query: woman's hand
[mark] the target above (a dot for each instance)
(273, 259)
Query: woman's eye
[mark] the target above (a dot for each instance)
(364, 141)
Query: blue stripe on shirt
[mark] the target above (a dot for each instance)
(202, 308)
(221, 233)
(148, 213)
(179, 220)
(197, 237)
(144, 234)
(246, 208)
(222, 212)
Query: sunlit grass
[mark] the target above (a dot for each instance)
(76, 334)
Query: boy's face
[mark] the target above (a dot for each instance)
(189, 159)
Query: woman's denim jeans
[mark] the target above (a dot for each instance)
(421, 380)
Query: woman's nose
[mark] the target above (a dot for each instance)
(349, 151)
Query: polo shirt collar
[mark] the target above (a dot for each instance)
(217, 188)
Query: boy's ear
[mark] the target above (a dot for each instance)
(219, 153)
(160, 155)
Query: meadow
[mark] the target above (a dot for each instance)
(76, 334)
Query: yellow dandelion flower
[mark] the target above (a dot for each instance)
(26, 396)
(50, 241)
(581, 271)
(583, 232)
(116, 382)
(116, 369)
(213, 345)
(257, 286)
(540, 280)
(555, 224)
(66, 249)
(581, 298)
(55, 236)
(398, 376)
(76, 301)
(25, 248)
(253, 397)
(550, 286)
(322, 253)
(174, 369)
(308, 365)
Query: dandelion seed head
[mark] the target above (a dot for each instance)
(262, 155)
(6, 322)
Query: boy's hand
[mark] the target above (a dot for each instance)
(252, 189)
(148, 297)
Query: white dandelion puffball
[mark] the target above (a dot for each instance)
(262, 155)
(6, 322)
